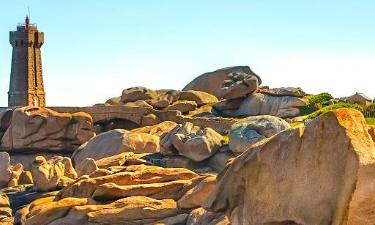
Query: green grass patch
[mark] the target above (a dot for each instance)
(370, 121)
(332, 107)
(316, 102)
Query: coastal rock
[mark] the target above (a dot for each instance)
(135, 94)
(48, 175)
(239, 85)
(5, 172)
(86, 167)
(42, 128)
(183, 106)
(213, 82)
(199, 97)
(126, 180)
(284, 91)
(115, 142)
(5, 211)
(201, 216)
(71, 211)
(191, 141)
(158, 130)
(196, 196)
(289, 178)
(252, 129)
(262, 104)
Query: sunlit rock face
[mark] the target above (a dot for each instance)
(44, 129)
(322, 174)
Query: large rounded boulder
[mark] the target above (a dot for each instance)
(226, 83)
(253, 129)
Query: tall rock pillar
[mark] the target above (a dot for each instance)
(26, 78)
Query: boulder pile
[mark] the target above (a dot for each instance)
(223, 151)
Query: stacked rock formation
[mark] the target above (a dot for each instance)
(60, 169)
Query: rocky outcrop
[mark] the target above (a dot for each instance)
(132, 180)
(226, 82)
(263, 104)
(322, 173)
(135, 195)
(239, 85)
(159, 129)
(252, 129)
(201, 216)
(132, 210)
(199, 97)
(5, 211)
(115, 142)
(284, 91)
(42, 128)
(191, 141)
(9, 174)
(48, 175)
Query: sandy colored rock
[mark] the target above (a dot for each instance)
(263, 104)
(48, 175)
(5, 172)
(131, 175)
(212, 82)
(25, 178)
(167, 190)
(238, 85)
(252, 129)
(220, 159)
(191, 141)
(199, 97)
(150, 119)
(284, 91)
(323, 174)
(158, 130)
(45, 211)
(115, 142)
(42, 128)
(183, 106)
(196, 196)
(86, 167)
(201, 216)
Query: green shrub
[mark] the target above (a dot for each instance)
(316, 102)
(332, 107)
(370, 121)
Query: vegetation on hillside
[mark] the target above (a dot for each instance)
(316, 102)
(332, 107)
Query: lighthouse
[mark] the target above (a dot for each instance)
(26, 78)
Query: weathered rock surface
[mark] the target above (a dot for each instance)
(239, 85)
(322, 174)
(201, 216)
(262, 104)
(159, 129)
(5, 211)
(5, 172)
(284, 91)
(213, 82)
(183, 106)
(196, 196)
(129, 176)
(132, 211)
(191, 141)
(199, 97)
(9, 174)
(42, 128)
(48, 175)
(115, 142)
(252, 129)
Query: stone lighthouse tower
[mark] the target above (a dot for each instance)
(26, 78)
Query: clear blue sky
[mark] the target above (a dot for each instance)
(94, 49)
